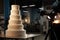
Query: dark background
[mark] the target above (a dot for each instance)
(5, 8)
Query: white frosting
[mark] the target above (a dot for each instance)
(14, 12)
(14, 33)
(14, 22)
(15, 26)
(15, 7)
(14, 17)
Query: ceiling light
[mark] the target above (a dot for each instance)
(31, 5)
(25, 11)
(24, 6)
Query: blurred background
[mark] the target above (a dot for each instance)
(37, 15)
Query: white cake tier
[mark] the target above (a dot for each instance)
(15, 7)
(15, 12)
(16, 33)
(15, 17)
(15, 22)
(15, 26)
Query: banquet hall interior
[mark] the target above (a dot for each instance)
(30, 19)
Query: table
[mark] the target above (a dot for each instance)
(32, 36)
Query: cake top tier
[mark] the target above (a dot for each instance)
(15, 7)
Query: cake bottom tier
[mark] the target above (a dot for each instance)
(20, 33)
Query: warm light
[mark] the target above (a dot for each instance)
(56, 21)
(26, 20)
(55, 17)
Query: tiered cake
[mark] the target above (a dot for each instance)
(15, 26)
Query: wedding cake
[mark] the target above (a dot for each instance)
(15, 26)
